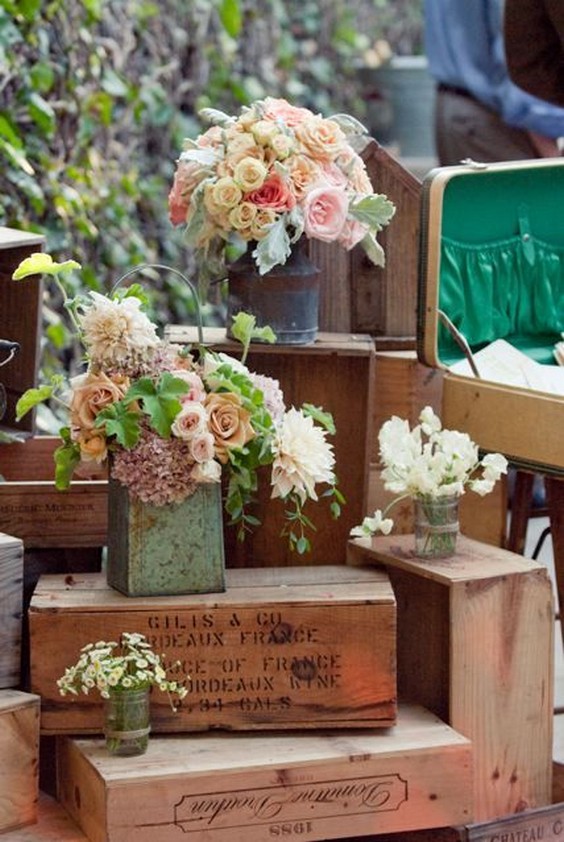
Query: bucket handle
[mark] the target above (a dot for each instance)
(179, 274)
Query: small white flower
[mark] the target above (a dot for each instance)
(371, 525)
(430, 423)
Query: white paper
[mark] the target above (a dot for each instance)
(501, 362)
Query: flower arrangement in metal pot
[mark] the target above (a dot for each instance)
(270, 175)
(429, 464)
(173, 416)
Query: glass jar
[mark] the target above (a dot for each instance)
(436, 526)
(127, 721)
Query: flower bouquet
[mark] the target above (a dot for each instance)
(123, 673)
(267, 177)
(432, 466)
(173, 418)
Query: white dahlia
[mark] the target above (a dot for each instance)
(302, 457)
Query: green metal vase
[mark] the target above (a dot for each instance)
(165, 550)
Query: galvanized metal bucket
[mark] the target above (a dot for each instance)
(286, 298)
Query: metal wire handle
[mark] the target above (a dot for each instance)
(11, 348)
(174, 271)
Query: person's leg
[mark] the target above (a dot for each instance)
(465, 128)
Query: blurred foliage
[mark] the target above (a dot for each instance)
(96, 97)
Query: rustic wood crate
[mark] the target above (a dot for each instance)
(32, 509)
(53, 825)
(11, 606)
(475, 646)
(248, 788)
(336, 372)
(19, 747)
(356, 295)
(281, 648)
(21, 321)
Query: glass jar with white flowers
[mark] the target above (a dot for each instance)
(434, 467)
(123, 672)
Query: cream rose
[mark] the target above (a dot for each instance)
(260, 224)
(241, 218)
(250, 174)
(91, 394)
(226, 193)
(264, 131)
(229, 423)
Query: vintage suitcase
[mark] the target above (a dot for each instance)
(492, 271)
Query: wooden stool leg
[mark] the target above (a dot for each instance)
(555, 504)
(521, 502)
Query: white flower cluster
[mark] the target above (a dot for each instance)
(429, 462)
(127, 665)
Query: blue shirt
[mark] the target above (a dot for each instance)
(464, 46)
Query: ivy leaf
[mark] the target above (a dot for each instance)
(231, 18)
(121, 422)
(160, 401)
(67, 457)
(31, 398)
(42, 264)
(244, 329)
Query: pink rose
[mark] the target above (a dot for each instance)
(333, 175)
(352, 233)
(282, 111)
(196, 390)
(187, 176)
(190, 421)
(202, 447)
(325, 213)
(275, 194)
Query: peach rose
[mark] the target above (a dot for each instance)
(303, 171)
(229, 423)
(325, 213)
(281, 111)
(91, 394)
(93, 447)
(321, 138)
(260, 224)
(275, 193)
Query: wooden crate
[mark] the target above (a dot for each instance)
(355, 294)
(53, 825)
(21, 321)
(336, 372)
(32, 509)
(281, 648)
(475, 646)
(19, 747)
(248, 788)
(11, 607)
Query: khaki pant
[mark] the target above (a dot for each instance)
(464, 128)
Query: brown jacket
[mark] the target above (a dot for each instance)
(534, 45)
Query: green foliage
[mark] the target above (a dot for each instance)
(97, 97)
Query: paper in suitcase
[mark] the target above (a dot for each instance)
(491, 304)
